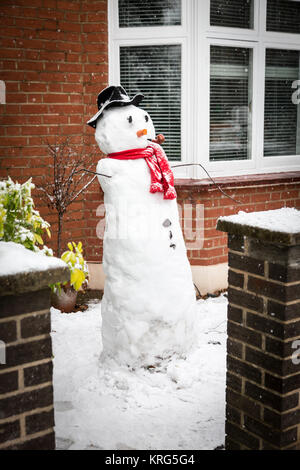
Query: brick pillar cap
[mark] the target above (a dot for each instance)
(23, 270)
(285, 223)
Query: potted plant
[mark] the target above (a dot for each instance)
(64, 296)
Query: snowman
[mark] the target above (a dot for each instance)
(148, 306)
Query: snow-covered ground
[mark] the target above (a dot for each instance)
(178, 405)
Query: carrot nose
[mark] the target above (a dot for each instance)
(141, 132)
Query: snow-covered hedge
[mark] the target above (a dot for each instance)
(19, 221)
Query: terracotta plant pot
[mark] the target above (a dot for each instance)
(64, 300)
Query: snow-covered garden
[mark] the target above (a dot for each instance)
(145, 367)
(177, 404)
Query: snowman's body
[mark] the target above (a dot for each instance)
(148, 307)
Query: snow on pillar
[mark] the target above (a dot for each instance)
(263, 351)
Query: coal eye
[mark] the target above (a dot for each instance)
(146, 118)
(129, 119)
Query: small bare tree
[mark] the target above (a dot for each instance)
(68, 180)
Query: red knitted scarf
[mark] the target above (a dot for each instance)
(162, 178)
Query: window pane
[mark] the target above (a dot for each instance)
(282, 116)
(283, 16)
(134, 13)
(230, 103)
(155, 71)
(232, 13)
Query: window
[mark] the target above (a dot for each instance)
(232, 13)
(230, 103)
(149, 53)
(282, 118)
(139, 13)
(283, 16)
(218, 77)
(156, 72)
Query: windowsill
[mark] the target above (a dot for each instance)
(244, 180)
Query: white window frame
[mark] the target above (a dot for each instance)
(195, 36)
(156, 36)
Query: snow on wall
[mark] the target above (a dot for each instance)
(285, 220)
(15, 258)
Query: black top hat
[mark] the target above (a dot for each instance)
(113, 96)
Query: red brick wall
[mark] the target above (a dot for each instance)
(255, 193)
(54, 63)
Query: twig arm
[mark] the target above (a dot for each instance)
(93, 172)
(213, 181)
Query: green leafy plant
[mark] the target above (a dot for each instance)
(19, 221)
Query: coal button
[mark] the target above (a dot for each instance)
(167, 223)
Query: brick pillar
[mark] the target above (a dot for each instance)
(26, 392)
(263, 350)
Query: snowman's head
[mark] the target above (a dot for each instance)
(124, 128)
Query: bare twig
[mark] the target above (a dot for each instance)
(65, 185)
(213, 181)
(82, 189)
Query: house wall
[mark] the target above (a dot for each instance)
(251, 193)
(54, 61)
